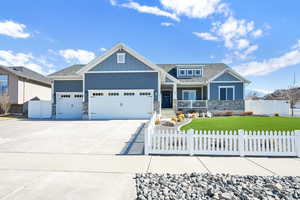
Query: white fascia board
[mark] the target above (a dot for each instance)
(65, 78)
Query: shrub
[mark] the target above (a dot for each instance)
(174, 119)
(181, 116)
(179, 113)
(276, 114)
(228, 113)
(247, 113)
(157, 121)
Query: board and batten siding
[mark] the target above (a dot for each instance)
(122, 81)
(238, 92)
(131, 64)
(66, 86)
(226, 77)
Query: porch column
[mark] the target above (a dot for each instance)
(175, 96)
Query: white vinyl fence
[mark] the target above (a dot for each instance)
(268, 107)
(39, 109)
(239, 143)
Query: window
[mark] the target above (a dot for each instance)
(78, 96)
(189, 94)
(113, 94)
(120, 58)
(145, 93)
(65, 96)
(97, 94)
(189, 72)
(182, 72)
(226, 93)
(3, 84)
(198, 72)
(128, 93)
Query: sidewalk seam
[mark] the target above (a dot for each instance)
(203, 164)
(274, 173)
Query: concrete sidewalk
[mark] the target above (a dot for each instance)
(48, 176)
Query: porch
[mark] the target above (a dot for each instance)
(184, 97)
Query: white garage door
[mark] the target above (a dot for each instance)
(68, 105)
(120, 104)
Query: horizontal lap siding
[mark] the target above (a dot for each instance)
(120, 81)
(226, 77)
(239, 90)
(131, 64)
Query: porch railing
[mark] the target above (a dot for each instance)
(191, 103)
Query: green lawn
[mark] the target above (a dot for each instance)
(245, 122)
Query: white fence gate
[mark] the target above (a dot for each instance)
(268, 107)
(240, 143)
(39, 109)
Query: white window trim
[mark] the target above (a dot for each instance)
(119, 56)
(179, 74)
(182, 94)
(189, 75)
(198, 75)
(233, 88)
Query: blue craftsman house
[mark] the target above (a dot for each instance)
(122, 84)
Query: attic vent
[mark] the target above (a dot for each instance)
(120, 58)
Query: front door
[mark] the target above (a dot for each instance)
(166, 99)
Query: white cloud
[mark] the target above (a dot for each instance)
(206, 36)
(243, 43)
(113, 2)
(9, 58)
(269, 65)
(77, 55)
(167, 24)
(150, 10)
(297, 45)
(13, 29)
(194, 8)
(103, 49)
(257, 33)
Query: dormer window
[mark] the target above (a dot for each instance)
(189, 72)
(121, 58)
(182, 72)
(198, 72)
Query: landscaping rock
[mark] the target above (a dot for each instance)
(168, 123)
(220, 186)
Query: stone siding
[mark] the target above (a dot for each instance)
(221, 106)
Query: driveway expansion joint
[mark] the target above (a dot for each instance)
(273, 173)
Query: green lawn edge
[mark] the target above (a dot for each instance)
(255, 123)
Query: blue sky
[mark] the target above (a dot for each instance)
(259, 39)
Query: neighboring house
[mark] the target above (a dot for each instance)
(121, 84)
(22, 84)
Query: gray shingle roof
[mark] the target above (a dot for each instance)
(69, 71)
(209, 70)
(27, 73)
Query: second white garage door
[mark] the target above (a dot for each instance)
(68, 105)
(120, 104)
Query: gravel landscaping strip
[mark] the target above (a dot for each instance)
(220, 186)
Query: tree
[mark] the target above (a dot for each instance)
(4, 104)
(293, 94)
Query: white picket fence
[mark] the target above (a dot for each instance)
(239, 143)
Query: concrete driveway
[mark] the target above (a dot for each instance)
(69, 137)
(62, 141)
